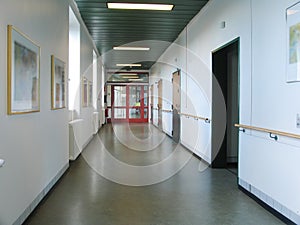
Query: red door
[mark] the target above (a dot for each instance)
(129, 103)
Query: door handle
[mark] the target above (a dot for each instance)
(2, 162)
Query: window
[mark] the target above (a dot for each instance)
(74, 64)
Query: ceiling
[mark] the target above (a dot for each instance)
(154, 29)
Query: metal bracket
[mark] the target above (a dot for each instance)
(275, 137)
(207, 120)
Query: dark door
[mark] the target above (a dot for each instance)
(176, 106)
(225, 67)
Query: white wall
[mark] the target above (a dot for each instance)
(85, 129)
(166, 76)
(154, 80)
(266, 100)
(274, 106)
(167, 123)
(86, 70)
(35, 145)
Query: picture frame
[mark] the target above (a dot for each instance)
(23, 73)
(84, 92)
(293, 43)
(58, 83)
(90, 96)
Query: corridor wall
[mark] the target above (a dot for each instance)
(35, 146)
(268, 169)
(86, 71)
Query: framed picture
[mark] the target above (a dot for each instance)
(58, 84)
(293, 43)
(84, 92)
(23, 73)
(90, 94)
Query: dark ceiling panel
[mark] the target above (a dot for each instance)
(110, 28)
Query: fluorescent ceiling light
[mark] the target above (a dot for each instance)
(122, 65)
(127, 74)
(130, 77)
(132, 48)
(135, 79)
(140, 6)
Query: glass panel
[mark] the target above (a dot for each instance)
(120, 113)
(109, 113)
(145, 113)
(133, 100)
(138, 95)
(146, 98)
(135, 113)
(120, 96)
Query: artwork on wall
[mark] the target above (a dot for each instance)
(293, 43)
(90, 93)
(84, 92)
(58, 84)
(23, 73)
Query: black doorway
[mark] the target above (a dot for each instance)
(225, 67)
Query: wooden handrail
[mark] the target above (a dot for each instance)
(274, 132)
(196, 117)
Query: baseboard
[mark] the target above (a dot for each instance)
(167, 133)
(199, 154)
(232, 159)
(87, 142)
(40, 197)
(270, 204)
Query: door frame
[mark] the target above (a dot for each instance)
(219, 156)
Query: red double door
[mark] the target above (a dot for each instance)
(129, 103)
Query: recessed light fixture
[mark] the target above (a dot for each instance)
(135, 79)
(127, 74)
(132, 65)
(139, 6)
(125, 48)
(130, 77)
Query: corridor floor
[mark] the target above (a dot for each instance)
(85, 196)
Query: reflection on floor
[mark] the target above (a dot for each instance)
(190, 197)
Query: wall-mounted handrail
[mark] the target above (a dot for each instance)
(195, 117)
(273, 133)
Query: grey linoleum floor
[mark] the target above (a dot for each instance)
(190, 197)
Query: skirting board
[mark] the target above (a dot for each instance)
(270, 204)
(168, 133)
(77, 150)
(87, 142)
(202, 156)
(40, 196)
